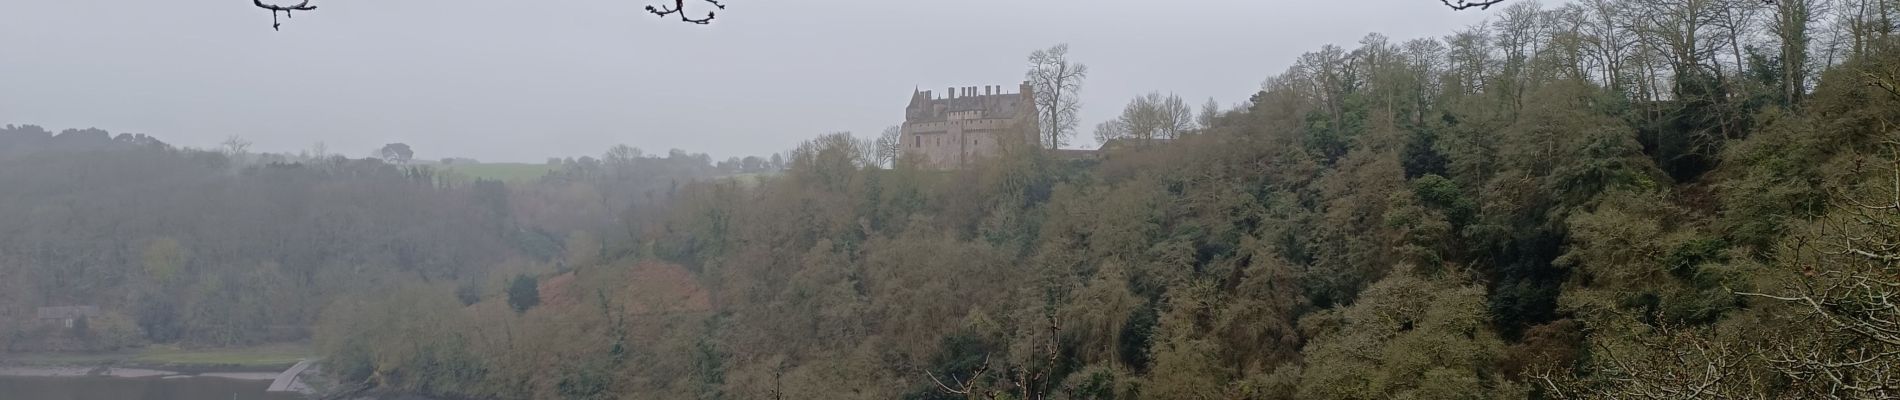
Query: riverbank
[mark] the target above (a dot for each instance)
(148, 388)
(120, 372)
(258, 363)
(255, 359)
(255, 363)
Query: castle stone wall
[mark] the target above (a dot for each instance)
(967, 127)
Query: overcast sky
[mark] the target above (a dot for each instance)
(522, 80)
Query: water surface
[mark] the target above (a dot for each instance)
(151, 388)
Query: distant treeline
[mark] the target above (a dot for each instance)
(227, 247)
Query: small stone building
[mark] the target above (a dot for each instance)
(68, 316)
(964, 125)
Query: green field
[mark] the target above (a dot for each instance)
(259, 356)
(506, 172)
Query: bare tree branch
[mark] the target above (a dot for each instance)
(1847, 261)
(274, 9)
(963, 387)
(679, 7)
(1464, 4)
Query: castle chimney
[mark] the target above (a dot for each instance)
(989, 90)
(951, 92)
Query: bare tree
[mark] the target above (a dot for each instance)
(1148, 118)
(1209, 111)
(1791, 26)
(1468, 59)
(1030, 376)
(1520, 30)
(235, 145)
(1654, 362)
(1056, 82)
(1858, 24)
(622, 154)
(621, 160)
(968, 388)
(1110, 130)
(1737, 19)
(1603, 37)
(1691, 30)
(1162, 117)
(889, 144)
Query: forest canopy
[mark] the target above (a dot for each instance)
(1602, 199)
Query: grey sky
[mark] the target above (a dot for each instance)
(521, 80)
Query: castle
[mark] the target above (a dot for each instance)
(967, 124)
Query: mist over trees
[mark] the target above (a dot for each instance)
(1595, 200)
(1602, 199)
(232, 247)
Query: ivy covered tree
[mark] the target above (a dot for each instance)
(523, 293)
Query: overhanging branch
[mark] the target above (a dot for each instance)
(274, 9)
(679, 7)
(1464, 4)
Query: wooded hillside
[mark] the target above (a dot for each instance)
(222, 248)
(1666, 199)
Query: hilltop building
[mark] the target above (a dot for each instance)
(965, 125)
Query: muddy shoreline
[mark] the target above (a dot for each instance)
(318, 391)
(131, 372)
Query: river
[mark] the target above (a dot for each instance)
(149, 388)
